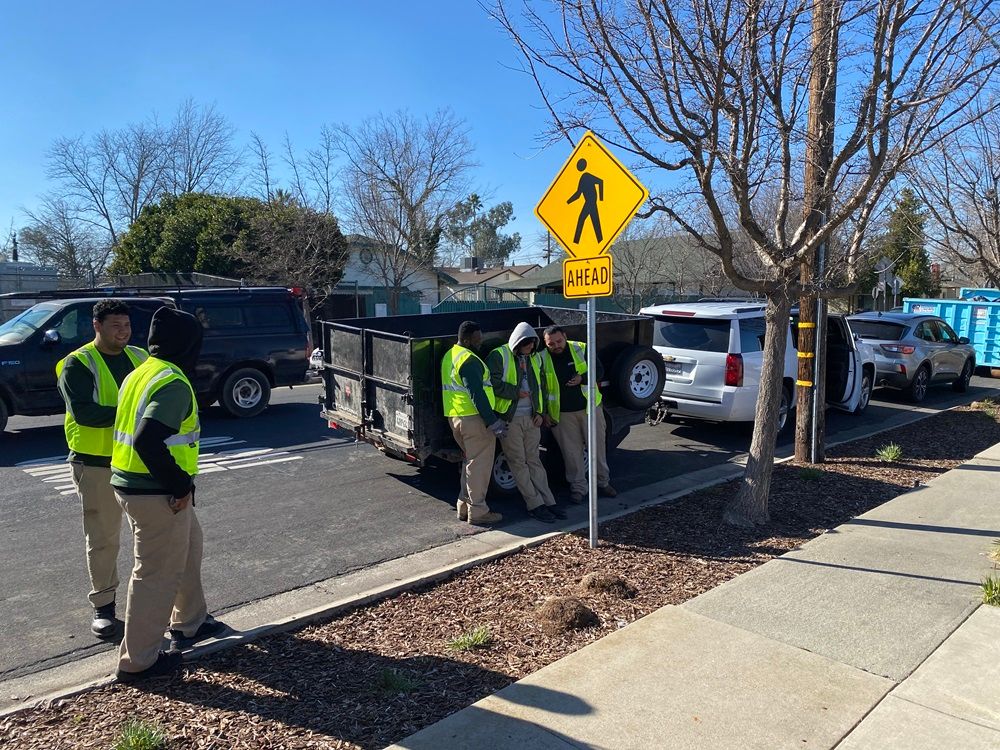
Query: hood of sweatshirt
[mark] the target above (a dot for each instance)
(522, 332)
(175, 336)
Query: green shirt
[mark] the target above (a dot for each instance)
(76, 385)
(170, 405)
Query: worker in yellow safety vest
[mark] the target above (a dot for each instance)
(468, 403)
(564, 370)
(520, 402)
(88, 380)
(153, 463)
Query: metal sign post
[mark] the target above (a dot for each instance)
(592, 417)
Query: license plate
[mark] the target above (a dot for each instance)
(673, 368)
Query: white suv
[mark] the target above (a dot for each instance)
(713, 352)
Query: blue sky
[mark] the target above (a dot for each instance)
(70, 68)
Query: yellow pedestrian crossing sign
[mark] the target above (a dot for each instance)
(591, 200)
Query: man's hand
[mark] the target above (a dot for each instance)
(178, 504)
(499, 428)
(537, 420)
(524, 394)
(548, 421)
(575, 380)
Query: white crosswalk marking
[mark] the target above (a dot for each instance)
(54, 472)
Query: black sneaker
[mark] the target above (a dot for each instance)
(607, 491)
(576, 498)
(165, 664)
(557, 511)
(211, 628)
(104, 624)
(541, 513)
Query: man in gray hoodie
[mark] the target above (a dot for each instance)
(520, 401)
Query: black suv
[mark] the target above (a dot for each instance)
(256, 338)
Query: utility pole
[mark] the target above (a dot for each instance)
(810, 418)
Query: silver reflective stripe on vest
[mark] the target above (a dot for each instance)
(95, 373)
(458, 388)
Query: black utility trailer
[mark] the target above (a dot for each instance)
(382, 376)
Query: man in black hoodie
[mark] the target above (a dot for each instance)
(153, 463)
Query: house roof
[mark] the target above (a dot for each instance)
(482, 275)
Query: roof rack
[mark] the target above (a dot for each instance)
(134, 291)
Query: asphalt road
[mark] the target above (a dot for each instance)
(285, 502)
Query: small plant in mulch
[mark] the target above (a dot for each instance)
(560, 614)
(391, 682)
(994, 553)
(607, 583)
(136, 734)
(890, 453)
(810, 474)
(988, 405)
(470, 640)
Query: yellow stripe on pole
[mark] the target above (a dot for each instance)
(807, 325)
(807, 355)
(804, 383)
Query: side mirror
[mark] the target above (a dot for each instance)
(51, 336)
(963, 340)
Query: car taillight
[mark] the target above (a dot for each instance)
(734, 369)
(898, 348)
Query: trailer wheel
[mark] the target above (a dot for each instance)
(637, 376)
(502, 483)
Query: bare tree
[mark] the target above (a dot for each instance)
(715, 94)
(110, 178)
(960, 185)
(401, 177)
(202, 156)
(57, 236)
(263, 182)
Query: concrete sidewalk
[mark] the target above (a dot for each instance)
(870, 636)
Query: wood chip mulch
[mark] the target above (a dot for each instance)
(374, 675)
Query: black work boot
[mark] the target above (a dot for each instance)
(165, 664)
(104, 624)
(211, 628)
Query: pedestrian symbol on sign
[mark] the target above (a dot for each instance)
(592, 190)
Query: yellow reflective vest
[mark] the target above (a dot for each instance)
(510, 377)
(137, 391)
(455, 397)
(578, 350)
(95, 441)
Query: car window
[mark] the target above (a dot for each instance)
(752, 332)
(946, 333)
(21, 326)
(692, 333)
(269, 316)
(216, 317)
(879, 330)
(76, 327)
(927, 331)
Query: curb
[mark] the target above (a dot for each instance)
(498, 542)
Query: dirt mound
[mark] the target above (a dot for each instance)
(607, 583)
(560, 614)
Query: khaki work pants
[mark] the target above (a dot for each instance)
(165, 588)
(478, 446)
(571, 434)
(102, 528)
(521, 447)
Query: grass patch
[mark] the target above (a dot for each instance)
(889, 453)
(810, 474)
(989, 405)
(136, 734)
(472, 639)
(391, 682)
(991, 591)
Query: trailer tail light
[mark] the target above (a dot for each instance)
(734, 369)
(898, 348)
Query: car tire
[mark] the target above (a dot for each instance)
(788, 407)
(245, 393)
(502, 484)
(866, 393)
(637, 377)
(961, 384)
(916, 391)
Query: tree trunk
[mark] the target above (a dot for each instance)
(749, 507)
